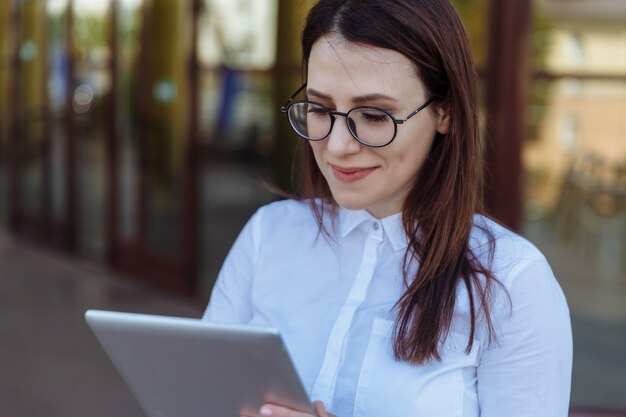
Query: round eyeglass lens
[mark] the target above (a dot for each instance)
(310, 120)
(372, 127)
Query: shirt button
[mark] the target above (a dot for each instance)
(376, 226)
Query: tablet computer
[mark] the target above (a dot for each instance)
(181, 367)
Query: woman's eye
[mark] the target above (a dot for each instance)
(375, 117)
(317, 112)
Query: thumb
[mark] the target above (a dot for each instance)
(320, 410)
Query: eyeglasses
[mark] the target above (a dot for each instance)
(369, 125)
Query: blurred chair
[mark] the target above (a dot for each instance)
(595, 412)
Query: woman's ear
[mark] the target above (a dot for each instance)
(443, 119)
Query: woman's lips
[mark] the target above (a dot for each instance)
(350, 174)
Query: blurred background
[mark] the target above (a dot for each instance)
(138, 136)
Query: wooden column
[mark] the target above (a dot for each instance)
(13, 193)
(191, 219)
(507, 80)
(287, 78)
(112, 126)
(71, 212)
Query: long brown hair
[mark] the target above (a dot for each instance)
(438, 211)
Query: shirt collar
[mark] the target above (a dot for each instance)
(392, 225)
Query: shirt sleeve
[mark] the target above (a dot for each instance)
(231, 301)
(526, 370)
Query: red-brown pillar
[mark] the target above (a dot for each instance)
(507, 80)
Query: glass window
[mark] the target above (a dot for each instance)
(575, 162)
(57, 77)
(31, 106)
(238, 33)
(91, 92)
(128, 36)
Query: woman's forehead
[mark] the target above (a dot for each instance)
(336, 63)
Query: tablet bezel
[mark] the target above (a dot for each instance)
(183, 367)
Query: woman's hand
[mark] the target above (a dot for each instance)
(273, 410)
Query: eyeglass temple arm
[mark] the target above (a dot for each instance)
(283, 108)
(420, 108)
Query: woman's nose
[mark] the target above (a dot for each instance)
(340, 140)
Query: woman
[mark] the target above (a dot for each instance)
(393, 296)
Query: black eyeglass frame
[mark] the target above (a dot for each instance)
(289, 103)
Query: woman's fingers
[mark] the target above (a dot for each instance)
(321, 410)
(273, 410)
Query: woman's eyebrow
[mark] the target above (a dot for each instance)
(315, 93)
(372, 97)
(359, 99)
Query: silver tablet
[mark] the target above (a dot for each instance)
(180, 367)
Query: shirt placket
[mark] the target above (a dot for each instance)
(324, 386)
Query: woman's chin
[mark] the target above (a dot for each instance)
(348, 203)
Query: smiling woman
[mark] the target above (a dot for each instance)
(394, 294)
(341, 74)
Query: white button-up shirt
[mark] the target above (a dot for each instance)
(332, 298)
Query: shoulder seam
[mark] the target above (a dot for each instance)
(517, 269)
(256, 234)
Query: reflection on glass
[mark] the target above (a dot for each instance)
(57, 7)
(239, 117)
(57, 99)
(31, 174)
(28, 51)
(575, 126)
(230, 193)
(83, 97)
(128, 191)
(238, 33)
(128, 30)
(91, 37)
(587, 47)
(575, 162)
(91, 32)
(90, 157)
(162, 109)
(57, 171)
(164, 91)
(31, 110)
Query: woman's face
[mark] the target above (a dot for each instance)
(344, 75)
